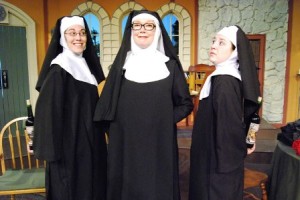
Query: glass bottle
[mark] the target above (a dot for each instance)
(253, 127)
(29, 125)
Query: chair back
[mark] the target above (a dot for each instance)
(14, 152)
(197, 76)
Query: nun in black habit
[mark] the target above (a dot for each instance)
(145, 95)
(65, 134)
(228, 99)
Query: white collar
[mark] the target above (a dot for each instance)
(147, 65)
(228, 67)
(75, 65)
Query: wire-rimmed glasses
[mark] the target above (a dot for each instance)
(74, 34)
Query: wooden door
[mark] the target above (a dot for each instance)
(257, 43)
(14, 89)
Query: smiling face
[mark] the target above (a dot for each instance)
(76, 38)
(143, 38)
(220, 50)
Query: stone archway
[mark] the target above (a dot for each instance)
(105, 30)
(184, 31)
(117, 21)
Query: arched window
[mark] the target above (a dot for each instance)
(171, 24)
(124, 21)
(94, 26)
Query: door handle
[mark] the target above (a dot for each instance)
(4, 79)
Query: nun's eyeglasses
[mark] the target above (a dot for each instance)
(147, 26)
(74, 34)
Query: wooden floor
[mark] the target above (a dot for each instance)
(259, 160)
(266, 137)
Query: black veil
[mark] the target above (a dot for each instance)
(55, 48)
(249, 74)
(106, 106)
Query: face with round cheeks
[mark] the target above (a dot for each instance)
(142, 37)
(75, 41)
(220, 50)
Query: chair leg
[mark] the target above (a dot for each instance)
(12, 197)
(251, 195)
(264, 192)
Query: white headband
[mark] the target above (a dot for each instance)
(66, 22)
(230, 33)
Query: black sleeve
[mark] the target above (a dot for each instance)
(48, 125)
(229, 126)
(182, 100)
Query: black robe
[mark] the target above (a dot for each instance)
(68, 139)
(143, 152)
(218, 143)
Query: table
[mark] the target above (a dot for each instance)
(284, 183)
